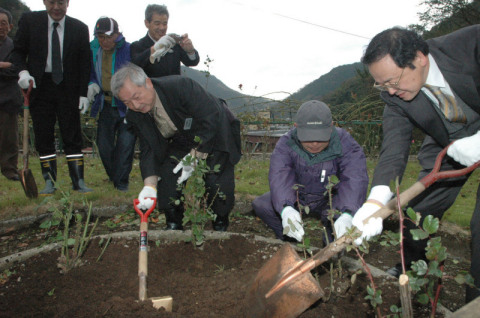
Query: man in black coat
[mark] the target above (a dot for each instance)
(433, 85)
(10, 102)
(158, 53)
(58, 92)
(167, 114)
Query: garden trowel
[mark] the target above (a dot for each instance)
(158, 302)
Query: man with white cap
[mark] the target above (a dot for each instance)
(116, 143)
(308, 155)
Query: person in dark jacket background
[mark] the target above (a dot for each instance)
(158, 53)
(116, 143)
(10, 101)
(308, 155)
(167, 114)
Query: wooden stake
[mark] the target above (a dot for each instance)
(405, 296)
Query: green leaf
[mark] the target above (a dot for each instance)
(415, 217)
(422, 298)
(419, 234)
(420, 267)
(434, 270)
(431, 224)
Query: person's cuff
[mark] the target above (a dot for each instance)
(192, 55)
(380, 193)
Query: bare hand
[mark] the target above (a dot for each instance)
(187, 44)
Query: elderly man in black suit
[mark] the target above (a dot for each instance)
(52, 50)
(433, 85)
(167, 114)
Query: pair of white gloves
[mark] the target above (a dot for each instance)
(292, 221)
(24, 79)
(161, 47)
(187, 165)
(465, 151)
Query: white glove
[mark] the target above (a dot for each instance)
(466, 150)
(291, 219)
(162, 47)
(93, 90)
(24, 80)
(342, 224)
(380, 194)
(187, 165)
(145, 202)
(83, 104)
(374, 225)
(165, 41)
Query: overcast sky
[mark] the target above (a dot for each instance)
(267, 46)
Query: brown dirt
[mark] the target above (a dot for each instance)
(208, 282)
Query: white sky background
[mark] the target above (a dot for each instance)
(251, 43)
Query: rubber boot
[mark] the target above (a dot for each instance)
(75, 167)
(221, 223)
(174, 217)
(49, 173)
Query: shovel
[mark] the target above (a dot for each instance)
(158, 302)
(284, 286)
(26, 176)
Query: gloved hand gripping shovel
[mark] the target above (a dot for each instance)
(26, 176)
(158, 302)
(284, 286)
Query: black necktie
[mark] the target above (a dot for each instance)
(57, 73)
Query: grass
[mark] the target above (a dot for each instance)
(251, 181)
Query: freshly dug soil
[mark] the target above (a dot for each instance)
(207, 282)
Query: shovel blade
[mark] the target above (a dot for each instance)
(28, 183)
(289, 301)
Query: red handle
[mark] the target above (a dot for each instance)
(144, 215)
(26, 95)
(435, 175)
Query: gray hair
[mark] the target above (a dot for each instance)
(129, 71)
(159, 9)
(8, 14)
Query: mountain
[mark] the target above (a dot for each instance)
(327, 83)
(238, 102)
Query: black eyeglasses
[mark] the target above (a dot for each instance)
(387, 86)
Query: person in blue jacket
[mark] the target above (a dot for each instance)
(307, 156)
(116, 143)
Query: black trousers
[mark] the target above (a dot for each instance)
(434, 201)
(223, 181)
(51, 103)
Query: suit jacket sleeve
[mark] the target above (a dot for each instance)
(397, 138)
(85, 59)
(21, 42)
(187, 100)
(140, 52)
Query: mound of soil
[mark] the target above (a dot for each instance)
(208, 282)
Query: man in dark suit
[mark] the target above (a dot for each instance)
(52, 51)
(160, 54)
(167, 114)
(433, 85)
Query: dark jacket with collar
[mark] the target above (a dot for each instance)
(31, 50)
(194, 112)
(169, 64)
(291, 164)
(458, 57)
